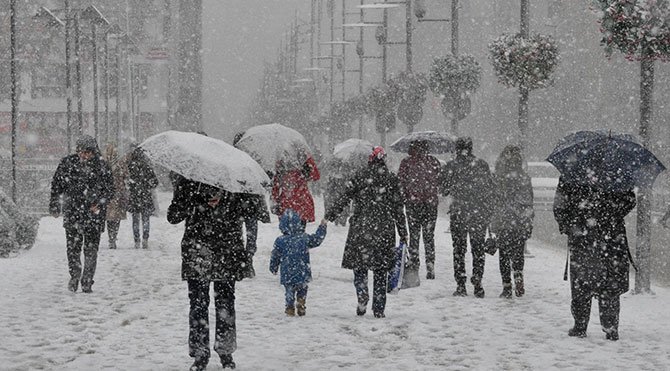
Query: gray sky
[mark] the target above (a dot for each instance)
(239, 35)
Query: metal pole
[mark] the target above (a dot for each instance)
(360, 67)
(331, 11)
(96, 127)
(384, 45)
(454, 52)
(525, 26)
(106, 80)
(344, 60)
(77, 56)
(68, 77)
(15, 91)
(408, 41)
(118, 93)
(138, 96)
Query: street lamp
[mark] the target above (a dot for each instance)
(110, 31)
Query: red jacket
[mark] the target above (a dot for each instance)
(290, 190)
(419, 176)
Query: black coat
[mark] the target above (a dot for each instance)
(593, 220)
(212, 248)
(468, 180)
(81, 185)
(377, 212)
(141, 181)
(513, 204)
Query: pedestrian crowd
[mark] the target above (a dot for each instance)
(489, 211)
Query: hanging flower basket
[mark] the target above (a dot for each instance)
(454, 73)
(640, 29)
(520, 62)
(412, 90)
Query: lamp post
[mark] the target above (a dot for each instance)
(15, 90)
(111, 30)
(96, 19)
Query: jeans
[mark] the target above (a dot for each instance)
(379, 282)
(462, 225)
(421, 217)
(225, 341)
(510, 249)
(89, 240)
(293, 291)
(145, 226)
(113, 229)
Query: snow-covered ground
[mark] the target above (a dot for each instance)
(136, 318)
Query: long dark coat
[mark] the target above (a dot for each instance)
(81, 185)
(593, 220)
(212, 248)
(377, 212)
(141, 181)
(513, 204)
(468, 180)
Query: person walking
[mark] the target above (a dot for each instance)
(512, 221)
(467, 179)
(213, 252)
(290, 190)
(419, 176)
(291, 254)
(116, 209)
(371, 240)
(141, 182)
(81, 188)
(593, 220)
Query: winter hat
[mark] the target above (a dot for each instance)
(87, 143)
(378, 153)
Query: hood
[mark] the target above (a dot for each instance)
(290, 223)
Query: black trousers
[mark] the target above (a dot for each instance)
(379, 282)
(113, 229)
(87, 239)
(421, 218)
(588, 279)
(462, 225)
(225, 340)
(510, 250)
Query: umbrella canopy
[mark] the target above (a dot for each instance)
(610, 161)
(349, 156)
(207, 160)
(273, 143)
(438, 142)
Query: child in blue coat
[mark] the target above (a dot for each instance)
(291, 253)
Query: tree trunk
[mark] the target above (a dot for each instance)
(189, 113)
(524, 92)
(643, 233)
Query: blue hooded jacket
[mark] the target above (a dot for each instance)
(291, 250)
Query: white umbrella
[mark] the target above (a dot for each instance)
(207, 160)
(437, 142)
(269, 144)
(349, 156)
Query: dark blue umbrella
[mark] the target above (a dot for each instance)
(609, 161)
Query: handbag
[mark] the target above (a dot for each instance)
(490, 244)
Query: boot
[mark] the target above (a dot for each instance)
(300, 307)
(611, 334)
(145, 244)
(200, 364)
(577, 331)
(479, 291)
(73, 284)
(137, 244)
(460, 290)
(227, 361)
(360, 309)
(112, 244)
(507, 291)
(290, 311)
(518, 284)
(430, 270)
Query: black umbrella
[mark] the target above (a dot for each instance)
(437, 142)
(610, 161)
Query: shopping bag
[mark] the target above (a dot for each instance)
(396, 274)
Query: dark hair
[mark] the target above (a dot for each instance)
(464, 144)
(510, 160)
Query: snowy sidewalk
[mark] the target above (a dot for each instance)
(137, 316)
